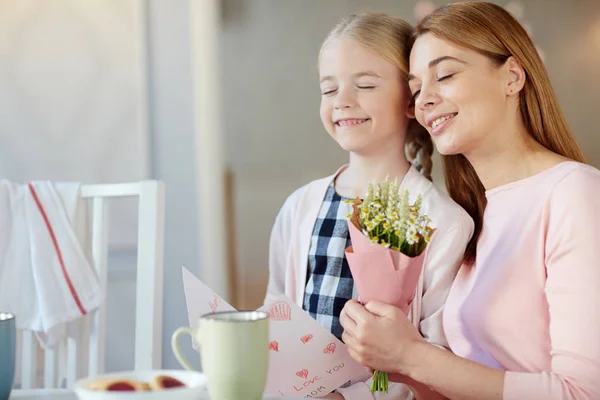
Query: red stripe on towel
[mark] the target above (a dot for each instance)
(57, 249)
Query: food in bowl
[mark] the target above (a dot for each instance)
(115, 384)
(162, 382)
(94, 387)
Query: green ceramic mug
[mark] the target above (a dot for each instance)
(234, 351)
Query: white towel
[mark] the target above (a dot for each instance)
(46, 279)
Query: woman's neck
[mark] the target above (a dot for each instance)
(352, 182)
(517, 158)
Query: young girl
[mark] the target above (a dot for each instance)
(365, 108)
(523, 313)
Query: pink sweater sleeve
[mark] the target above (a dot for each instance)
(572, 288)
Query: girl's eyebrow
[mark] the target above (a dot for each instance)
(357, 75)
(367, 73)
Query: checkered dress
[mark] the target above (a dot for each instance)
(329, 283)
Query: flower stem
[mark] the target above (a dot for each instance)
(379, 382)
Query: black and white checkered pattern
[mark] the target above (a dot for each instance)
(329, 283)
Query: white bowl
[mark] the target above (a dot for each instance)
(195, 386)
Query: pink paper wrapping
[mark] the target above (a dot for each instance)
(382, 274)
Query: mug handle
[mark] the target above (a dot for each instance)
(177, 351)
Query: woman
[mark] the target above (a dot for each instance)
(515, 317)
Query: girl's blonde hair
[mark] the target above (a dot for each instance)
(388, 37)
(490, 30)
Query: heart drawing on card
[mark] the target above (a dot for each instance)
(280, 311)
(306, 338)
(303, 373)
(274, 346)
(214, 304)
(329, 349)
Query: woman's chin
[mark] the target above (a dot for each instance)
(447, 149)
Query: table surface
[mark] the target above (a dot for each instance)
(63, 394)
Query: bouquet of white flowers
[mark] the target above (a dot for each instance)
(389, 237)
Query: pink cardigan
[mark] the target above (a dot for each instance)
(290, 241)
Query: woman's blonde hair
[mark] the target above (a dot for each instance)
(490, 30)
(388, 37)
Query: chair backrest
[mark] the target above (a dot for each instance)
(82, 352)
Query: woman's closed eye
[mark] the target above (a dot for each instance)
(440, 79)
(414, 96)
(444, 77)
(326, 92)
(367, 87)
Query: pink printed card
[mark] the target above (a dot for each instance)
(305, 359)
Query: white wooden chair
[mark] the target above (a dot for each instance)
(83, 354)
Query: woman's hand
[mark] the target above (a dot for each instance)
(380, 336)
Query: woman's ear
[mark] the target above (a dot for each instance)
(516, 76)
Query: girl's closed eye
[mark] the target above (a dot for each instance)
(327, 91)
(367, 87)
